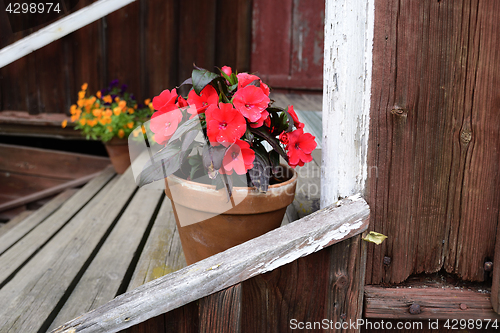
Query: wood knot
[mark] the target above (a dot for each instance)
(414, 309)
(398, 111)
(342, 282)
(466, 136)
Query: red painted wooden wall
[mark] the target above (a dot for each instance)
(287, 43)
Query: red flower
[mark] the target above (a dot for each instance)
(244, 79)
(250, 101)
(224, 124)
(207, 97)
(284, 139)
(296, 121)
(164, 124)
(181, 102)
(239, 157)
(264, 116)
(227, 70)
(300, 147)
(165, 101)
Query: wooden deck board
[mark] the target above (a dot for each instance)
(41, 283)
(114, 258)
(162, 253)
(31, 242)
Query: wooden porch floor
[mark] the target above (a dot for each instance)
(85, 247)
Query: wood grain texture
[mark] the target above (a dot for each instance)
(495, 283)
(221, 312)
(433, 142)
(4, 227)
(49, 163)
(61, 216)
(346, 281)
(102, 279)
(435, 303)
(260, 255)
(295, 291)
(42, 283)
(162, 253)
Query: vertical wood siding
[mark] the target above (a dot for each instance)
(148, 45)
(434, 138)
(287, 42)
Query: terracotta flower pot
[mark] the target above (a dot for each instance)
(209, 224)
(118, 153)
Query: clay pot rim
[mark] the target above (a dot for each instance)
(209, 187)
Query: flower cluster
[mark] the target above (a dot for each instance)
(112, 112)
(236, 117)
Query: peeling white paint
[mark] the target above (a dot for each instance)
(59, 29)
(346, 97)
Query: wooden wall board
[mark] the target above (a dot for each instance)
(434, 138)
(434, 303)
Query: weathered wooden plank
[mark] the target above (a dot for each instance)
(161, 48)
(196, 36)
(72, 205)
(102, 279)
(436, 194)
(308, 190)
(347, 280)
(271, 34)
(220, 312)
(434, 303)
(298, 290)
(4, 227)
(16, 185)
(41, 284)
(49, 163)
(257, 256)
(122, 30)
(346, 101)
(162, 253)
(495, 283)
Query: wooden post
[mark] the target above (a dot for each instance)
(346, 97)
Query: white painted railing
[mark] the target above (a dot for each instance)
(59, 29)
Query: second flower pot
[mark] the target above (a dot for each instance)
(118, 153)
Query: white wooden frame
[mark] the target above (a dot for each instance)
(346, 97)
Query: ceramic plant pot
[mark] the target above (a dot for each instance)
(118, 153)
(208, 223)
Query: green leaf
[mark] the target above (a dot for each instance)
(201, 78)
(189, 125)
(272, 141)
(375, 237)
(274, 158)
(212, 158)
(163, 164)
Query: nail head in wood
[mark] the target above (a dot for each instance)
(463, 306)
(415, 309)
(488, 266)
(387, 260)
